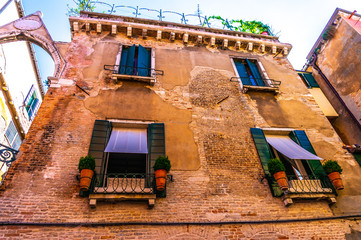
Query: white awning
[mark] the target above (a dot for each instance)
(128, 140)
(289, 148)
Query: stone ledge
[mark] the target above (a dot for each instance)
(93, 198)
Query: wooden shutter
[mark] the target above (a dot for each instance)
(255, 73)
(264, 153)
(123, 60)
(98, 142)
(262, 146)
(242, 73)
(309, 80)
(300, 137)
(130, 61)
(143, 62)
(156, 144)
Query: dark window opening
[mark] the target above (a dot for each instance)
(126, 163)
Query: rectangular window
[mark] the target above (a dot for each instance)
(122, 152)
(249, 73)
(31, 103)
(12, 136)
(135, 60)
(303, 168)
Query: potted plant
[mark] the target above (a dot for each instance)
(161, 167)
(333, 170)
(86, 169)
(277, 169)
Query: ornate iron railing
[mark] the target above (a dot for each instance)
(303, 184)
(7, 156)
(267, 82)
(135, 71)
(124, 183)
(194, 18)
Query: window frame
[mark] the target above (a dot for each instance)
(119, 57)
(32, 104)
(15, 142)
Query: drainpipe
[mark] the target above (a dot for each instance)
(314, 64)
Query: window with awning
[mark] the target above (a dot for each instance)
(128, 140)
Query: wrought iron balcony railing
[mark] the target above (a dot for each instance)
(134, 71)
(124, 183)
(303, 184)
(7, 156)
(255, 82)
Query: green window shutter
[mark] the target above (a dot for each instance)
(264, 154)
(255, 73)
(311, 80)
(242, 72)
(300, 137)
(123, 60)
(156, 144)
(130, 61)
(98, 142)
(143, 62)
(262, 148)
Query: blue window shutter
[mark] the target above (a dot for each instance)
(130, 61)
(255, 73)
(242, 72)
(98, 142)
(143, 62)
(123, 61)
(300, 137)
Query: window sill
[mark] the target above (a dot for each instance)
(94, 197)
(247, 88)
(150, 80)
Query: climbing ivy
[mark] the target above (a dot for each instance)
(243, 26)
(81, 5)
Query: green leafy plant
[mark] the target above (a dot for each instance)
(331, 166)
(275, 165)
(240, 25)
(81, 5)
(162, 162)
(87, 162)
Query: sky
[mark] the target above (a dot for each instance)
(297, 22)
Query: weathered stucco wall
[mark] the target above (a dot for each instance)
(338, 60)
(216, 169)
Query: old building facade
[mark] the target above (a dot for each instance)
(218, 103)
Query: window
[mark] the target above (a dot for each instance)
(249, 72)
(303, 168)
(135, 60)
(308, 79)
(126, 151)
(31, 103)
(12, 136)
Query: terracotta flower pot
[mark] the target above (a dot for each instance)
(160, 178)
(281, 180)
(336, 180)
(86, 176)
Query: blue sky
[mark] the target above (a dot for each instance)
(298, 22)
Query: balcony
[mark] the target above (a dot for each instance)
(269, 85)
(124, 72)
(304, 187)
(7, 156)
(125, 186)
